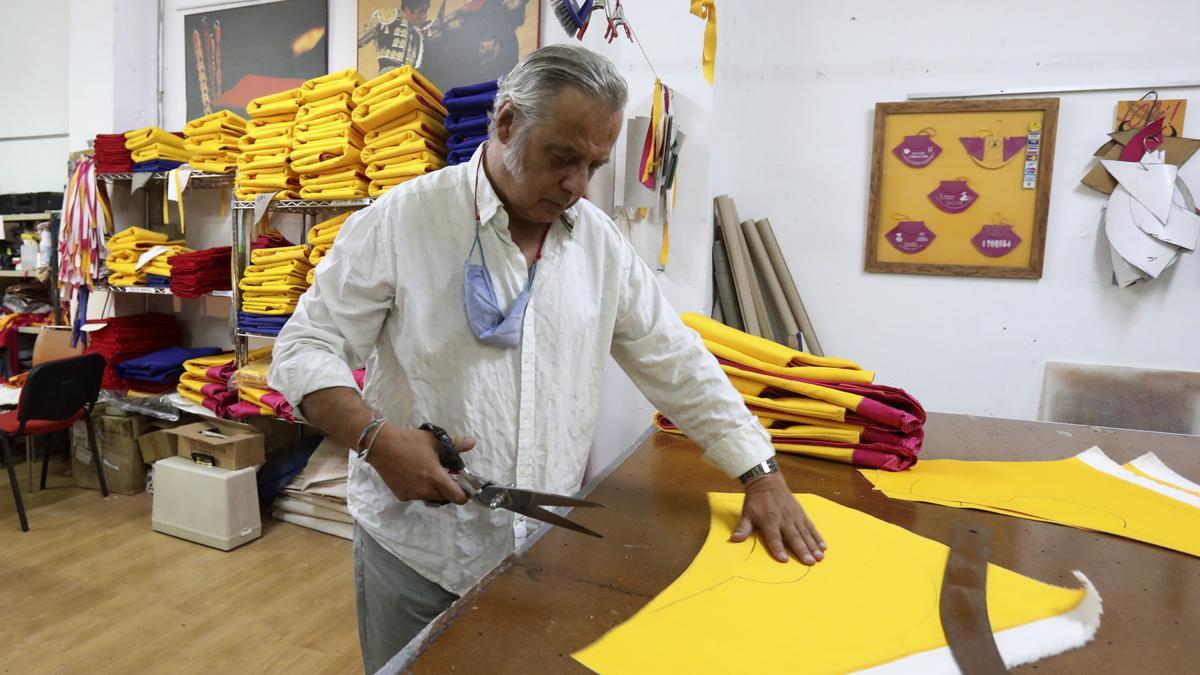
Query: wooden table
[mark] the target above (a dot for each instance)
(567, 589)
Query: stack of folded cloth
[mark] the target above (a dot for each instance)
(128, 337)
(153, 149)
(316, 497)
(400, 113)
(325, 142)
(255, 397)
(160, 370)
(158, 281)
(321, 238)
(263, 165)
(206, 380)
(200, 272)
(212, 141)
(111, 154)
(274, 282)
(467, 121)
(271, 238)
(812, 405)
(125, 249)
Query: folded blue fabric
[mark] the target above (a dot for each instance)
(156, 281)
(465, 143)
(459, 156)
(162, 365)
(156, 165)
(470, 105)
(471, 89)
(263, 325)
(466, 124)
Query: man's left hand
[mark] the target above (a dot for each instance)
(772, 511)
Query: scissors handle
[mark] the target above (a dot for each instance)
(447, 451)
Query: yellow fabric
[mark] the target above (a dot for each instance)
(318, 254)
(252, 394)
(253, 374)
(153, 152)
(255, 290)
(274, 105)
(325, 155)
(267, 180)
(382, 172)
(248, 194)
(355, 190)
(147, 136)
(259, 129)
(221, 118)
(371, 116)
(193, 396)
(411, 144)
(339, 177)
(222, 134)
(213, 165)
(418, 121)
(402, 76)
(707, 10)
(120, 279)
(1189, 489)
(819, 373)
(131, 234)
(330, 107)
(737, 610)
(270, 308)
(277, 255)
(342, 76)
(306, 132)
(250, 143)
(378, 188)
(760, 348)
(326, 231)
(791, 434)
(1069, 492)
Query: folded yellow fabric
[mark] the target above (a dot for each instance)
(318, 254)
(328, 158)
(419, 121)
(214, 165)
(339, 103)
(268, 256)
(214, 147)
(265, 131)
(402, 76)
(146, 136)
(123, 262)
(325, 231)
(349, 174)
(342, 131)
(221, 118)
(213, 134)
(270, 307)
(381, 172)
(152, 152)
(295, 277)
(119, 279)
(356, 190)
(267, 180)
(136, 234)
(253, 374)
(270, 287)
(408, 139)
(280, 103)
(318, 87)
(248, 194)
(371, 116)
(413, 151)
(760, 348)
(251, 144)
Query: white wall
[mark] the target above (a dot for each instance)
(33, 49)
(796, 86)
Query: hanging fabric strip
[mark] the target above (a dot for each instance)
(707, 10)
(652, 140)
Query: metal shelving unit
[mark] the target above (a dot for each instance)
(151, 290)
(198, 179)
(243, 213)
(26, 217)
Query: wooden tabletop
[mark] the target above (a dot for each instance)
(567, 589)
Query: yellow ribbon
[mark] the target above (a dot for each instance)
(707, 10)
(656, 113)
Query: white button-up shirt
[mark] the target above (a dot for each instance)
(390, 296)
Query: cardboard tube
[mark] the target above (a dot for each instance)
(723, 286)
(731, 233)
(789, 288)
(772, 290)
(766, 328)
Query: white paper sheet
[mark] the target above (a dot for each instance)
(1138, 248)
(1150, 184)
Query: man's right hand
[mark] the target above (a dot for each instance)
(407, 460)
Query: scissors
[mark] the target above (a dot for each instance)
(493, 496)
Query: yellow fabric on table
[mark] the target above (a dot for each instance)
(760, 348)
(404, 76)
(818, 373)
(370, 116)
(830, 618)
(278, 255)
(332, 84)
(281, 103)
(148, 136)
(1149, 466)
(418, 121)
(1087, 491)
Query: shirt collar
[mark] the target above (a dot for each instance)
(489, 201)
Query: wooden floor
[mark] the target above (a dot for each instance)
(91, 588)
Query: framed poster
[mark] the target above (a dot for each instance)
(961, 188)
(232, 56)
(452, 42)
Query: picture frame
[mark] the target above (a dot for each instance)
(961, 187)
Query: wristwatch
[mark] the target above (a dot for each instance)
(761, 469)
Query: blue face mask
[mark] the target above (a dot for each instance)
(488, 322)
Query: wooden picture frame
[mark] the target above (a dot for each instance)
(951, 191)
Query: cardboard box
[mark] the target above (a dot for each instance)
(116, 439)
(157, 442)
(228, 445)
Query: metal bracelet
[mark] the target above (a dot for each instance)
(362, 447)
(760, 469)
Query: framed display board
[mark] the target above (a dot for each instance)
(961, 188)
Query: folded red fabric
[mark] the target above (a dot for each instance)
(205, 271)
(128, 337)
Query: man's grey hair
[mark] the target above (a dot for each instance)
(532, 86)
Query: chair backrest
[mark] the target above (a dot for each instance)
(52, 345)
(57, 390)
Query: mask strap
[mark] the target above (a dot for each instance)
(927, 131)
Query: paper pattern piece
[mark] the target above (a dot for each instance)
(1088, 491)
(830, 617)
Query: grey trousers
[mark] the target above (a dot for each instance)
(394, 602)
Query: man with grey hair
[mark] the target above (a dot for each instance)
(506, 350)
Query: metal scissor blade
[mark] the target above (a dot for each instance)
(545, 516)
(532, 498)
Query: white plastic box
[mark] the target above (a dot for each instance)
(210, 506)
